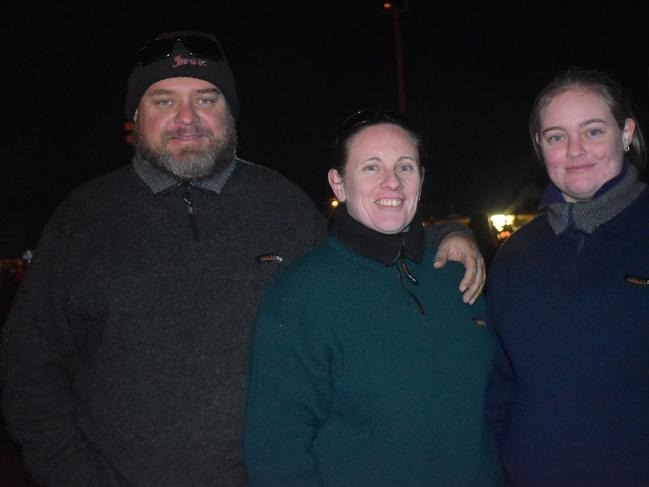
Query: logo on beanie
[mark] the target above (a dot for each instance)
(185, 61)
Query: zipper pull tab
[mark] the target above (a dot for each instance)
(187, 198)
(406, 271)
(402, 270)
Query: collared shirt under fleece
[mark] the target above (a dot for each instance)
(126, 352)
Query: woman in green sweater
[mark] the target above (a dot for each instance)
(367, 366)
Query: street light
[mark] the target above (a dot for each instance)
(396, 11)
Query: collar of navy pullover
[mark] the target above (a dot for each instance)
(608, 202)
(552, 194)
(160, 182)
(383, 247)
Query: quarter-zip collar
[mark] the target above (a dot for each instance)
(587, 216)
(552, 194)
(388, 249)
(385, 248)
(160, 182)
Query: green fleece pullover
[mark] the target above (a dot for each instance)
(352, 385)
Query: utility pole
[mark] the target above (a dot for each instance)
(395, 11)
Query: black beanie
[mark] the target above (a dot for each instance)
(181, 63)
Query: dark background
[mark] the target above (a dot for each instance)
(471, 74)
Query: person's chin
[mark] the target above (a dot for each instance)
(390, 227)
(187, 155)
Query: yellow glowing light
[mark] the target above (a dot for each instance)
(334, 203)
(501, 221)
(387, 5)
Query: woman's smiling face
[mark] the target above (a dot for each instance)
(382, 180)
(582, 144)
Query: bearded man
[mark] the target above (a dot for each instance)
(126, 351)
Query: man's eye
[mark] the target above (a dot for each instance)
(206, 101)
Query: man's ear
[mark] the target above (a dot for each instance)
(337, 184)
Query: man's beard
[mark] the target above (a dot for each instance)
(191, 164)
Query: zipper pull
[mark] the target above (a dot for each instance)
(187, 198)
(406, 271)
(402, 270)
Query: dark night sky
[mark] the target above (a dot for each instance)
(470, 77)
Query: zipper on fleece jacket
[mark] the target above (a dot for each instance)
(187, 198)
(402, 269)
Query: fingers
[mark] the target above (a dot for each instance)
(459, 248)
(474, 279)
(468, 281)
(441, 258)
